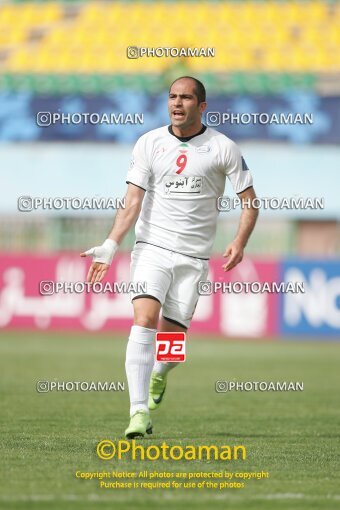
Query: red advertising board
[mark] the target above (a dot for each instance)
(226, 312)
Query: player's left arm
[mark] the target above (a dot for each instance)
(234, 251)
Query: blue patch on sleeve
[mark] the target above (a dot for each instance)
(244, 164)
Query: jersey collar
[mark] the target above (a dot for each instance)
(186, 138)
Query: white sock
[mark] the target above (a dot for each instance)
(163, 367)
(138, 366)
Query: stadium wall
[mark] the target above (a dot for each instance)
(26, 116)
(52, 169)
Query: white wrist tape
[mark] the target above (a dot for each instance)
(104, 253)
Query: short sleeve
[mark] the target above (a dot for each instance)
(236, 169)
(139, 172)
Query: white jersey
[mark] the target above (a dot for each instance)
(183, 178)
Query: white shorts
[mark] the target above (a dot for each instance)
(170, 277)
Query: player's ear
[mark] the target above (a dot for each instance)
(202, 106)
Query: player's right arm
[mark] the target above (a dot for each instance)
(125, 218)
(137, 179)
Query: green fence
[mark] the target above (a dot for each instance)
(43, 234)
(237, 82)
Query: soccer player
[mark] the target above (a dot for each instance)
(177, 172)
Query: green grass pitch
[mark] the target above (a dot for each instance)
(46, 438)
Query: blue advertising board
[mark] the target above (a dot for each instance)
(315, 312)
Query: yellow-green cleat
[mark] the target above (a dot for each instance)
(140, 424)
(156, 390)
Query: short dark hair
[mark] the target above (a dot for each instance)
(199, 88)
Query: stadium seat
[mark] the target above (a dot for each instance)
(92, 37)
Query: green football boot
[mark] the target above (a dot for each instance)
(140, 424)
(156, 390)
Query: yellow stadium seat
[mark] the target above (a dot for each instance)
(8, 14)
(19, 61)
(52, 11)
(45, 61)
(312, 36)
(13, 37)
(273, 61)
(250, 35)
(333, 36)
(317, 12)
(55, 38)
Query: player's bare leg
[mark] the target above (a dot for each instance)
(139, 363)
(160, 369)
